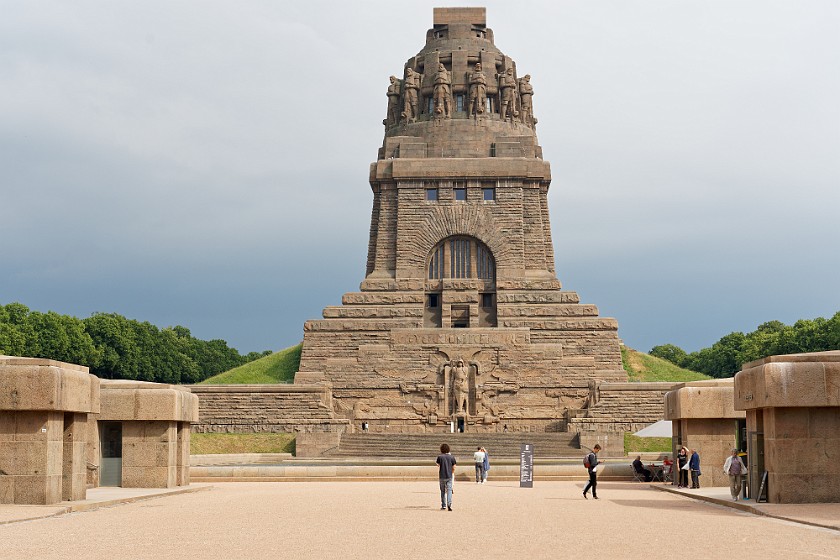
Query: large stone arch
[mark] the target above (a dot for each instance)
(449, 221)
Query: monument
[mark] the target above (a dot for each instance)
(460, 322)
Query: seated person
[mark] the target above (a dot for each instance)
(640, 468)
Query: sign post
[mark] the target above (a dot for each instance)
(526, 465)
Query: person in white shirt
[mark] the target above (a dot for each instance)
(478, 457)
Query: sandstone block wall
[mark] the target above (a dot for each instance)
(802, 454)
(31, 450)
(264, 408)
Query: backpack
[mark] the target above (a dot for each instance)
(586, 461)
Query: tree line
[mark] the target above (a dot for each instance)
(725, 357)
(114, 347)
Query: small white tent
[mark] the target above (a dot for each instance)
(657, 429)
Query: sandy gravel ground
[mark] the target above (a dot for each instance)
(403, 520)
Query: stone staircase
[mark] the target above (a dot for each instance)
(425, 446)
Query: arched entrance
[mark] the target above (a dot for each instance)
(462, 265)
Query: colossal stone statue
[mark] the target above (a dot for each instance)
(411, 103)
(507, 93)
(443, 92)
(393, 115)
(526, 92)
(478, 91)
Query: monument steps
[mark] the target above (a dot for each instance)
(499, 445)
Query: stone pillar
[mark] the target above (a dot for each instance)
(74, 471)
(183, 454)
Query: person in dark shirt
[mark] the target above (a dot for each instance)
(592, 460)
(694, 468)
(640, 468)
(446, 474)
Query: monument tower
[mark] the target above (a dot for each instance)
(460, 320)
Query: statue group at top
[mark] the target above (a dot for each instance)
(513, 97)
(460, 74)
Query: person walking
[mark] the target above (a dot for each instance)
(446, 474)
(592, 467)
(486, 463)
(478, 458)
(682, 465)
(735, 468)
(694, 468)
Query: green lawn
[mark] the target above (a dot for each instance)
(212, 444)
(635, 444)
(644, 367)
(279, 367)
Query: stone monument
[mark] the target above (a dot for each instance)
(460, 323)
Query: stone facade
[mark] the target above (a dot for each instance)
(704, 418)
(792, 405)
(460, 318)
(52, 420)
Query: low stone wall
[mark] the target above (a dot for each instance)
(265, 409)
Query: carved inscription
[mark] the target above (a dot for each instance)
(438, 337)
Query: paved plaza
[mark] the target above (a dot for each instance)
(402, 520)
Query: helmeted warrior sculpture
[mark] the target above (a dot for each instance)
(478, 91)
(443, 92)
(411, 103)
(507, 94)
(526, 93)
(393, 115)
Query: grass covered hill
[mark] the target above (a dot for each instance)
(644, 367)
(279, 367)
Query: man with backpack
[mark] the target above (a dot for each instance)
(591, 464)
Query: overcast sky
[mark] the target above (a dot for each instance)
(205, 163)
